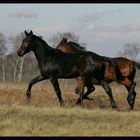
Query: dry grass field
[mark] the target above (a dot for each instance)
(44, 117)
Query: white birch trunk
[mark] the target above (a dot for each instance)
(21, 69)
(15, 70)
(3, 69)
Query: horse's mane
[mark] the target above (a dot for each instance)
(43, 41)
(76, 46)
(71, 43)
(40, 39)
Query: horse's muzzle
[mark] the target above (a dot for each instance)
(19, 53)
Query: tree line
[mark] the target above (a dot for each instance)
(16, 69)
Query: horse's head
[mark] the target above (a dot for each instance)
(26, 45)
(65, 47)
(62, 45)
(68, 47)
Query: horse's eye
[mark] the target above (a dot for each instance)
(28, 40)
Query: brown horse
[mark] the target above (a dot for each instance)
(127, 67)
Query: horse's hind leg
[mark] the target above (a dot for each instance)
(32, 82)
(109, 93)
(131, 100)
(131, 94)
(90, 88)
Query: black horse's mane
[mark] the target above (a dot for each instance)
(76, 46)
(46, 44)
(71, 43)
(40, 39)
(43, 41)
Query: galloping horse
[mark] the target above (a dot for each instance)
(127, 68)
(54, 64)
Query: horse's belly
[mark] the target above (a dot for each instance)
(69, 75)
(94, 81)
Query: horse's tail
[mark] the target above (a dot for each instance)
(118, 73)
(137, 64)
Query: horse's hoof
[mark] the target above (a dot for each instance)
(118, 110)
(74, 105)
(77, 90)
(88, 98)
(130, 108)
(114, 107)
(78, 103)
(28, 99)
(62, 104)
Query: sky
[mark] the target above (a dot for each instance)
(104, 28)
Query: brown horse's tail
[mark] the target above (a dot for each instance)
(118, 73)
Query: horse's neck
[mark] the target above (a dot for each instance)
(42, 51)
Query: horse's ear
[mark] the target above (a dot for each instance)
(25, 33)
(64, 40)
(31, 32)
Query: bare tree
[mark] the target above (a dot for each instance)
(3, 50)
(130, 51)
(16, 41)
(56, 38)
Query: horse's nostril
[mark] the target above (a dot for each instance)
(18, 53)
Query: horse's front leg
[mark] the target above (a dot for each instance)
(77, 89)
(90, 89)
(32, 82)
(81, 89)
(55, 84)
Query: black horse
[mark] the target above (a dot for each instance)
(54, 64)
